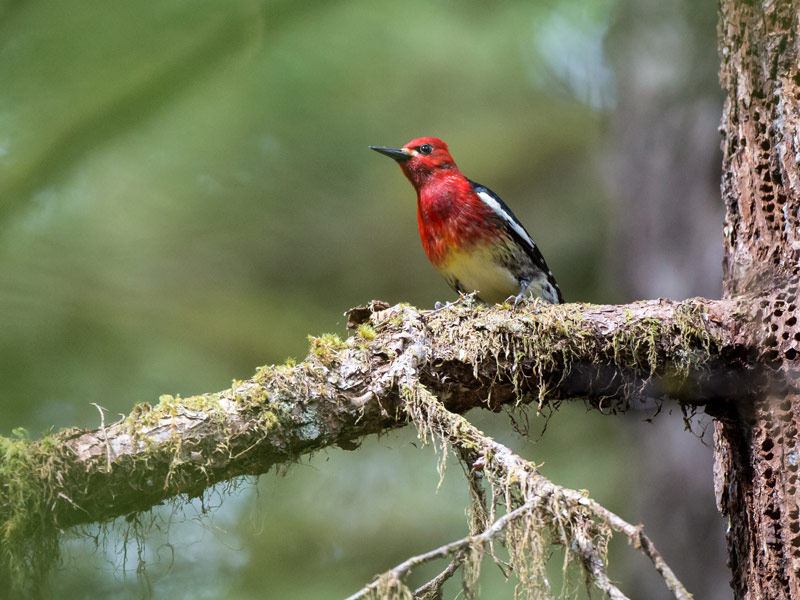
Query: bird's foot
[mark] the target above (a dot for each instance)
(516, 300)
(524, 299)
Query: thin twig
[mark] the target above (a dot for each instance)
(105, 434)
(639, 539)
(534, 485)
(433, 589)
(68, 499)
(635, 533)
(405, 567)
(594, 565)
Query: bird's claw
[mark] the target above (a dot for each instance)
(516, 300)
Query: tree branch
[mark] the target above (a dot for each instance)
(432, 590)
(468, 356)
(576, 522)
(402, 570)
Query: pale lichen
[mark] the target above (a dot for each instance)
(550, 519)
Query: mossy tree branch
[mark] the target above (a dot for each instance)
(538, 515)
(468, 357)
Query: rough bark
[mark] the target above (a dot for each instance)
(756, 443)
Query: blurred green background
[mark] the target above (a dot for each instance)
(186, 193)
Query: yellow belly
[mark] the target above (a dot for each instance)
(480, 271)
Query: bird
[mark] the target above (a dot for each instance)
(468, 233)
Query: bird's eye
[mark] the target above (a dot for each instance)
(425, 149)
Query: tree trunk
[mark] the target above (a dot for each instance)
(756, 442)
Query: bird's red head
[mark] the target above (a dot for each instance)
(422, 159)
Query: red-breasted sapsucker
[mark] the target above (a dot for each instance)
(469, 234)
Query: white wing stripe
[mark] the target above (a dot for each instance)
(493, 204)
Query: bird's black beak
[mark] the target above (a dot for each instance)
(398, 155)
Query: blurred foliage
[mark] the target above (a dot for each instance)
(187, 192)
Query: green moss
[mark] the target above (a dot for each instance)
(636, 344)
(35, 475)
(326, 346)
(544, 340)
(267, 372)
(366, 332)
(205, 403)
(28, 532)
(267, 420)
(696, 340)
(688, 340)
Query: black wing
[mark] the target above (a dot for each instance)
(518, 232)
